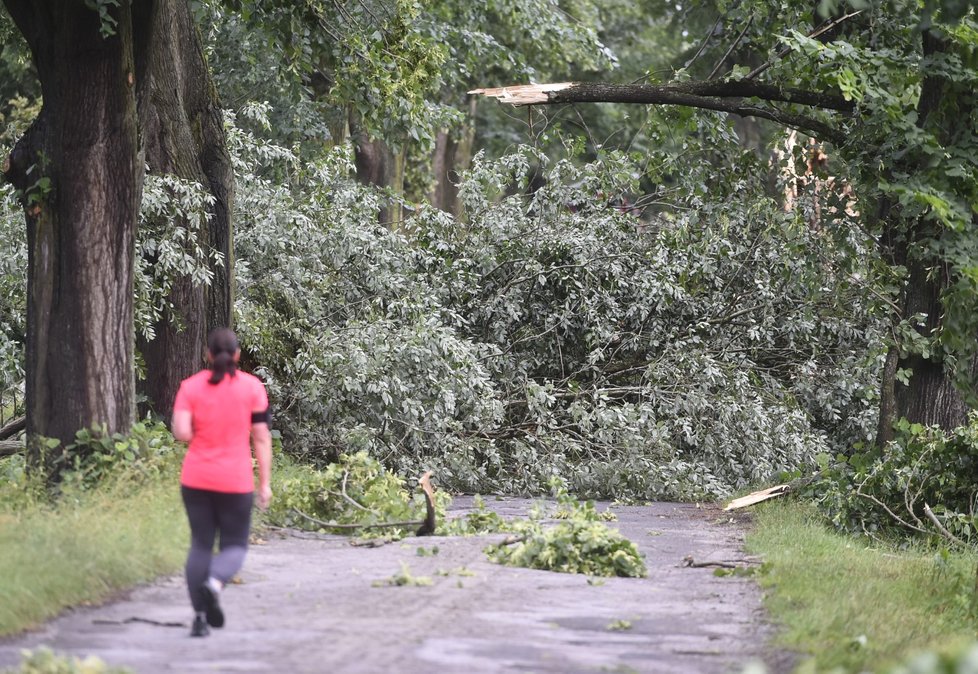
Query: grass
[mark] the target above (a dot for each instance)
(855, 605)
(87, 547)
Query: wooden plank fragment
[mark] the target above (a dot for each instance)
(758, 497)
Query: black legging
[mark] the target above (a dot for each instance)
(211, 512)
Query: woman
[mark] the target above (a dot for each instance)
(221, 412)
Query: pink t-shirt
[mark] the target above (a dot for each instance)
(219, 455)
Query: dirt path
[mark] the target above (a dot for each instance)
(309, 606)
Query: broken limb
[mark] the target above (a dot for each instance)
(426, 527)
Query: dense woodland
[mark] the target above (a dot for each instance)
(745, 247)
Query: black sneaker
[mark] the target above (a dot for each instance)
(212, 607)
(200, 628)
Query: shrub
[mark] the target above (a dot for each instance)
(45, 661)
(885, 489)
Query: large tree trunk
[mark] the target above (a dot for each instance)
(452, 157)
(183, 132)
(379, 166)
(444, 195)
(81, 171)
(931, 396)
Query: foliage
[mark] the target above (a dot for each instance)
(13, 261)
(636, 346)
(553, 333)
(569, 507)
(387, 75)
(171, 237)
(480, 521)
(963, 661)
(17, 81)
(886, 489)
(572, 546)
(95, 456)
(580, 543)
(13, 288)
(95, 461)
(549, 333)
(107, 22)
(46, 661)
(400, 67)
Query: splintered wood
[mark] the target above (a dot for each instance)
(429, 523)
(758, 496)
(523, 94)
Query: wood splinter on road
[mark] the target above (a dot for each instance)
(758, 496)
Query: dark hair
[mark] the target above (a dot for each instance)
(222, 344)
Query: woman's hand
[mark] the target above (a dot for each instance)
(264, 496)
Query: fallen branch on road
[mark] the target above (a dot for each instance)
(136, 619)
(426, 527)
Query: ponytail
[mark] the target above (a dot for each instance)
(222, 344)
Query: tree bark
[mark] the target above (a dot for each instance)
(931, 396)
(444, 196)
(378, 166)
(80, 170)
(721, 95)
(452, 157)
(183, 132)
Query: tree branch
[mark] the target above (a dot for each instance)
(733, 46)
(13, 428)
(652, 94)
(824, 28)
(706, 41)
(722, 96)
(940, 527)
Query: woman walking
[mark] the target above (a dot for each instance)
(221, 413)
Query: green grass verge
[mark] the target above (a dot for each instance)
(87, 547)
(854, 605)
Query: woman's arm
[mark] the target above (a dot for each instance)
(182, 425)
(261, 439)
